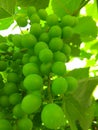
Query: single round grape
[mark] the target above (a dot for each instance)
(12, 77)
(34, 59)
(24, 124)
(72, 83)
(42, 14)
(35, 29)
(21, 20)
(28, 40)
(30, 68)
(35, 18)
(55, 31)
(59, 56)
(18, 112)
(16, 39)
(25, 58)
(4, 101)
(59, 86)
(3, 65)
(31, 103)
(59, 68)
(46, 55)
(52, 19)
(66, 49)
(15, 98)
(31, 10)
(39, 46)
(5, 125)
(3, 46)
(44, 37)
(33, 82)
(67, 32)
(52, 116)
(56, 44)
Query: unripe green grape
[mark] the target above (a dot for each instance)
(34, 18)
(34, 59)
(52, 116)
(24, 124)
(21, 20)
(45, 55)
(56, 44)
(55, 31)
(15, 98)
(30, 68)
(67, 32)
(16, 39)
(59, 68)
(10, 88)
(25, 58)
(5, 125)
(45, 68)
(44, 37)
(42, 14)
(59, 86)
(12, 77)
(72, 83)
(3, 46)
(33, 82)
(4, 101)
(60, 56)
(31, 103)
(18, 112)
(3, 65)
(66, 49)
(35, 29)
(31, 10)
(39, 46)
(52, 19)
(28, 40)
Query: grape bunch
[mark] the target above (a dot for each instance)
(33, 74)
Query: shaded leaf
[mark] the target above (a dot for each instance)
(85, 54)
(7, 8)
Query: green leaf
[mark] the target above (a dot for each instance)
(7, 8)
(80, 73)
(2, 39)
(5, 23)
(87, 28)
(85, 54)
(37, 3)
(63, 7)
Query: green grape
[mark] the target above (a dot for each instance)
(31, 10)
(15, 98)
(44, 37)
(67, 20)
(33, 82)
(59, 56)
(18, 112)
(24, 124)
(52, 116)
(56, 44)
(42, 14)
(34, 59)
(10, 88)
(25, 58)
(55, 31)
(52, 19)
(28, 40)
(39, 46)
(21, 20)
(66, 49)
(67, 32)
(3, 46)
(72, 83)
(3, 65)
(5, 125)
(59, 86)
(12, 77)
(4, 101)
(96, 109)
(46, 55)
(35, 29)
(59, 68)
(30, 68)
(16, 39)
(35, 18)
(31, 103)
(45, 68)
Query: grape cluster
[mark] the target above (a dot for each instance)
(33, 72)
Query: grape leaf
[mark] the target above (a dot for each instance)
(63, 7)
(7, 8)
(37, 3)
(87, 28)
